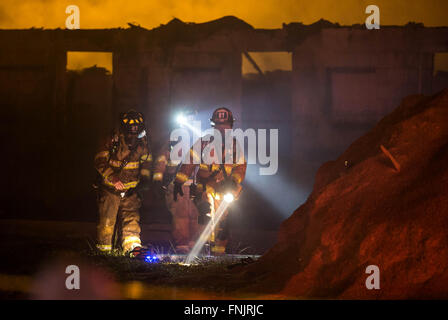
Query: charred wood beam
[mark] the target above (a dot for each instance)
(252, 61)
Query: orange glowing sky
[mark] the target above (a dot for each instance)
(259, 13)
(16, 14)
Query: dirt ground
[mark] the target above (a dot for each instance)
(36, 254)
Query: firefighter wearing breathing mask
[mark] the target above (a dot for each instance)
(214, 180)
(123, 162)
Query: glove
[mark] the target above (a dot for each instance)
(114, 179)
(177, 190)
(193, 191)
(203, 209)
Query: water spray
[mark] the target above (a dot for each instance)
(203, 238)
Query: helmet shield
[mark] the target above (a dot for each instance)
(222, 116)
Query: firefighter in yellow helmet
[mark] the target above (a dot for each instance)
(214, 179)
(123, 162)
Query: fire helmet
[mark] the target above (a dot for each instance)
(132, 122)
(222, 116)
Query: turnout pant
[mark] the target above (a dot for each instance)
(118, 220)
(221, 230)
(220, 235)
(185, 218)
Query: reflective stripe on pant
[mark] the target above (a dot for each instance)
(220, 233)
(121, 212)
(211, 201)
(185, 217)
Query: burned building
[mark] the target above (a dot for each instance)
(343, 80)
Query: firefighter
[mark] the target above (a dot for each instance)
(183, 211)
(213, 180)
(124, 163)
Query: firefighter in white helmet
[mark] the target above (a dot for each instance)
(213, 179)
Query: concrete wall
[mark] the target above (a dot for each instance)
(346, 79)
(32, 73)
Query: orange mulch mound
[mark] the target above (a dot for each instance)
(369, 213)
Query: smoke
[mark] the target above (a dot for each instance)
(260, 14)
